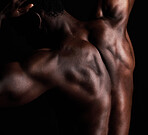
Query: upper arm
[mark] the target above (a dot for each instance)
(117, 10)
(21, 83)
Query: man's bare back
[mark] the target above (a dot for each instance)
(92, 67)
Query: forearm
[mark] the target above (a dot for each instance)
(2, 16)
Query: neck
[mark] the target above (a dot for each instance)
(61, 23)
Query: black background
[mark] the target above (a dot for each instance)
(36, 117)
(137, 27)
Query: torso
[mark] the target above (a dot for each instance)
(116, 56)
(114, 60)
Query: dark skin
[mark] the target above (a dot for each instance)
(93, 67)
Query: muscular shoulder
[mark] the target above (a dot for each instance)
(81, 66)
(79, 52)
(77, 65)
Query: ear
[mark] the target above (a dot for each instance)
(22, 10)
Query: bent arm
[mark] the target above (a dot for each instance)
(2, 16)
(14, 8)
(118, 10)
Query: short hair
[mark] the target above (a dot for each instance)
(52, 7)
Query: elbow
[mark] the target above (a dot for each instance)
(8, 99)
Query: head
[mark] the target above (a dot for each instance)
(52, 7)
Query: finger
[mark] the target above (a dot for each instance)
(25, 9)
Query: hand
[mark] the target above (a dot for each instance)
(15, 8)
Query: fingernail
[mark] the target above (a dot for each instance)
(31, 5)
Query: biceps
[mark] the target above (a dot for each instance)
(118, 10)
